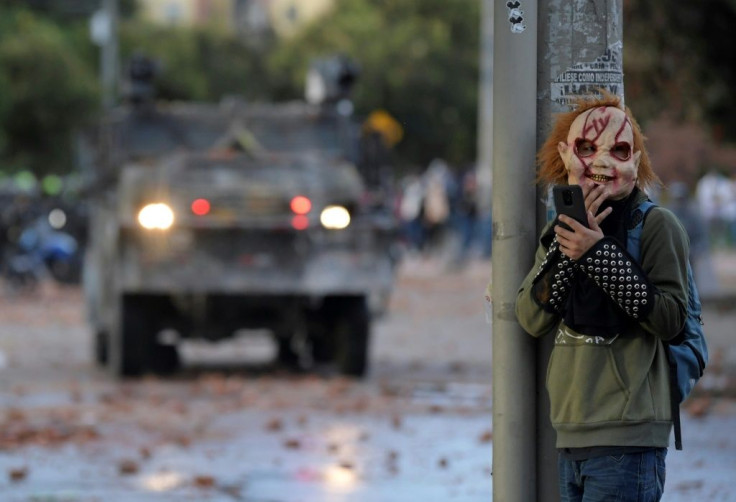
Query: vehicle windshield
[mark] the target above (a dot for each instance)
(156, 134)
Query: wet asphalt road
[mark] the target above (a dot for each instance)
(232, 427)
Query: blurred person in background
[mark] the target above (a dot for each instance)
(686, 209)
(466, 214)
(411, 212)
(715, 196)
(439, 187)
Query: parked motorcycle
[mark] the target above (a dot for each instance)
(40, 252)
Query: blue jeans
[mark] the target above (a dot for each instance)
(632, 477)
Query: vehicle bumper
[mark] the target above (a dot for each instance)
(256, 262)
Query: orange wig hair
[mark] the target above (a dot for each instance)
(552, 169)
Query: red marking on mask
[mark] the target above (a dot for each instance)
(622, 128)
(596, 125)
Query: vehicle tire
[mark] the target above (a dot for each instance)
(163, 359)
(137, 349)
(101, 347)
(65, 271)
(320, 335)
(323, 350)
(127, 350)
(286, 356)
(350, 335)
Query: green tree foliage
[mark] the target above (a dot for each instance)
(418, 59)
(176, 53)
(196, 64)
(48, 93)
(680, 61)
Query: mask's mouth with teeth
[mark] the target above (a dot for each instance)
(600, 178)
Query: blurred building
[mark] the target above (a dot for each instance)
(189, 12)
(288, 16)
(252, 17)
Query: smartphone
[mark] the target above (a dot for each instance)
(569, 201)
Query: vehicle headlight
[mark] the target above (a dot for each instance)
(156, 216)
(334, 217)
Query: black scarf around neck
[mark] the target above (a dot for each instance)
(590, 311)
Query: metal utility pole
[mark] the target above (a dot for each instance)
(484, 171)
(538, 68)
(104, 32)
(110, 56)
(514, 231)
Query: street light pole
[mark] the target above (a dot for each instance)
(109, 54)
(485, 113)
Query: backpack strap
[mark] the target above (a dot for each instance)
(633, 246)
(633, 236)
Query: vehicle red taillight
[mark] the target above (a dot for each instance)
(201, 207)
(299, 222)
(300, 205)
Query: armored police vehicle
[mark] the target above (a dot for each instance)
(214, 219)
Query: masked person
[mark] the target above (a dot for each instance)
(608, 311)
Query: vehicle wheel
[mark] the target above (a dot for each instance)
(128, 348)
(65, 271)
(137, 349)
(163, 359)
(321, 340)
(286, 355)
(101, 346)
(350, 335)
(322, 349)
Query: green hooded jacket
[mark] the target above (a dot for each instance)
(614, 391)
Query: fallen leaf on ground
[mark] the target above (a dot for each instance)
(486, 437)
(18, 474)
(127, 467)
(698, 407)
(204, 481)
(292, 444)
(275, 424)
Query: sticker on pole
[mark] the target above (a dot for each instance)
(584, 78)
(516, 16)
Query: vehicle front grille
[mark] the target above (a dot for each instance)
(246, 205)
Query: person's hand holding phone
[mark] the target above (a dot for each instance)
(595, 195)
(576, 241)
